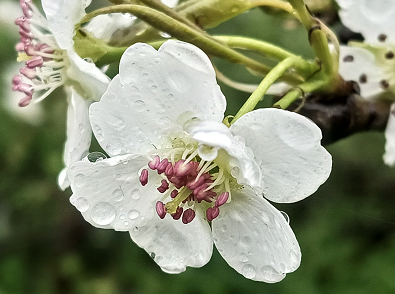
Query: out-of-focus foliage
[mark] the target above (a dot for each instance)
(345, 230)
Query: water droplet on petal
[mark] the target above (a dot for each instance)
(89, 60)
(81, 204)
(285, 216)
(271, 275)
(117, 195)
(243, 257)
(96, 156)
(79, 180)
(245, 241)
(103, 213)
(133, 214)
(135, 194)
(248, 271)
(139, 105)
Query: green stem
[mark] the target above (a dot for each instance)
(183, 32)
(317, 38)
(288, 98)
(304, 68)
(269, 79)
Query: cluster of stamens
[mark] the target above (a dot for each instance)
(186, 182)
(43, 66)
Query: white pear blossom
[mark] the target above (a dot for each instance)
(175, 167)
(371, 64)
(46, 46)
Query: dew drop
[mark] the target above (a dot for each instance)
(126, 223)
(139, 105)
(135, 194)
(248, 271)
(243, 257)
(154, 88)
(79, 180)
(133, 214)
(89, 60)
(270, 274)
(117, 195)
(116, 122)
(285, 216)
(122, 216)
(103, 213)
(165, 35)
(164, 121)
(245, 241)
(254, 220)
(81, 204)
(96, 156)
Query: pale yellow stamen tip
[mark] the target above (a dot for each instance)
(23, 57)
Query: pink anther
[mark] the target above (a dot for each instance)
(162, 166)
(25, 88)
(160, 209)
(144, 177)
(30, 50)
(25, 101)
(212, 213)
(178, 213)
(188, 216)
(16, 80)
(163, 187)
(28, 72)
(196, 183)
(174, 193)
(26, 34)
(153, 164)
(36, 61)
(20, 47)
(221, 199)
(169, 170)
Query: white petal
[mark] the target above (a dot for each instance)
(389, 155)
(62, 16)
(287, 147)
(174, 245)
(255, 239)
(371, 18)
(105, 25)
(155, 93)
(93, 81)
(79, 133)
(170, 3)
(359, 65)
(109, 194)
(219, 136)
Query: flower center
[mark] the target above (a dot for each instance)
(44, 63)
(188, 181)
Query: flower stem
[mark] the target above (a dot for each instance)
(185, 33)
(304, 68)
(269, 79)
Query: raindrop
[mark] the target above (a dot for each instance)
(79, 180)
(270, 274)
(81, 204)
(165, 35)
(122, 216)
(245, 241)
(265, 218)
(117, 195)
(116, 122)
(89, 60)
(139, 105)
(96, 156)
(152, 254)
(254, 220)
(248, 271)
(135, 194)
(103, 213)
(285, 216)
(133, 214)
(154, 88)
(126, 223)
(243, 257)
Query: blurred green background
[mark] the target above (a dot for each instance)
(346, 229)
